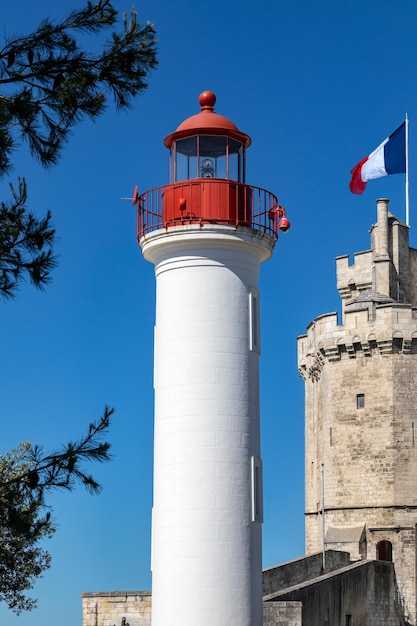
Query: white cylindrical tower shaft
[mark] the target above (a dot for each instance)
(206, 557)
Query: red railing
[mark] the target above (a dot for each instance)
(208, 201)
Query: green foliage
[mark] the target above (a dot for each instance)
(26, 476)
(25, 243)
(49, 84)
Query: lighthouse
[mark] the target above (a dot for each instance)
(207, 233)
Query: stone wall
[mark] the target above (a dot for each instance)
(109, 608)
(300, 570)
(282, 614)
(362, 594)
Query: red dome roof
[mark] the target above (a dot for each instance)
(207, 122)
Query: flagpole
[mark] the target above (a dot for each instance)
(407, 198)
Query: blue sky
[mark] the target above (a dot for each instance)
(317, 85)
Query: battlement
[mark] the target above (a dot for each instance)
(382, 330)
(356, 277)
(387, 269)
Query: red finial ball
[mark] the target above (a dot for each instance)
(207, 100)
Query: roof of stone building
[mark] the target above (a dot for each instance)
(394, 218)
(368, 296)
(335, 534)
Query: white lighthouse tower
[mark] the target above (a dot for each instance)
(207, 233)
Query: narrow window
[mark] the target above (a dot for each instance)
(360, 401)
(348, 620)
(257, 496)
(254, 322)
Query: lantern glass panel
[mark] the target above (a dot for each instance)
(207, 156)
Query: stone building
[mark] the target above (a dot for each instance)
(360, 410)
(360, 375)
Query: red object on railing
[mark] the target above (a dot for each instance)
(207, 201)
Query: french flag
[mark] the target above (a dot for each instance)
(388, 158)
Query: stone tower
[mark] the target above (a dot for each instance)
(360, 377)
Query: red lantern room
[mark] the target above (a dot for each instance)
(207, 145)
(207, 180)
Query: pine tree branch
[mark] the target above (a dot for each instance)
(53, 74)
(25, 244)
(61, 468)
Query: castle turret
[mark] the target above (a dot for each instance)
(207, 233)
(360, 388)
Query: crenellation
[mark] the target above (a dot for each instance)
(390, 333)
(351, 279)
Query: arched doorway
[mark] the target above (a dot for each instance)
(384, 551)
